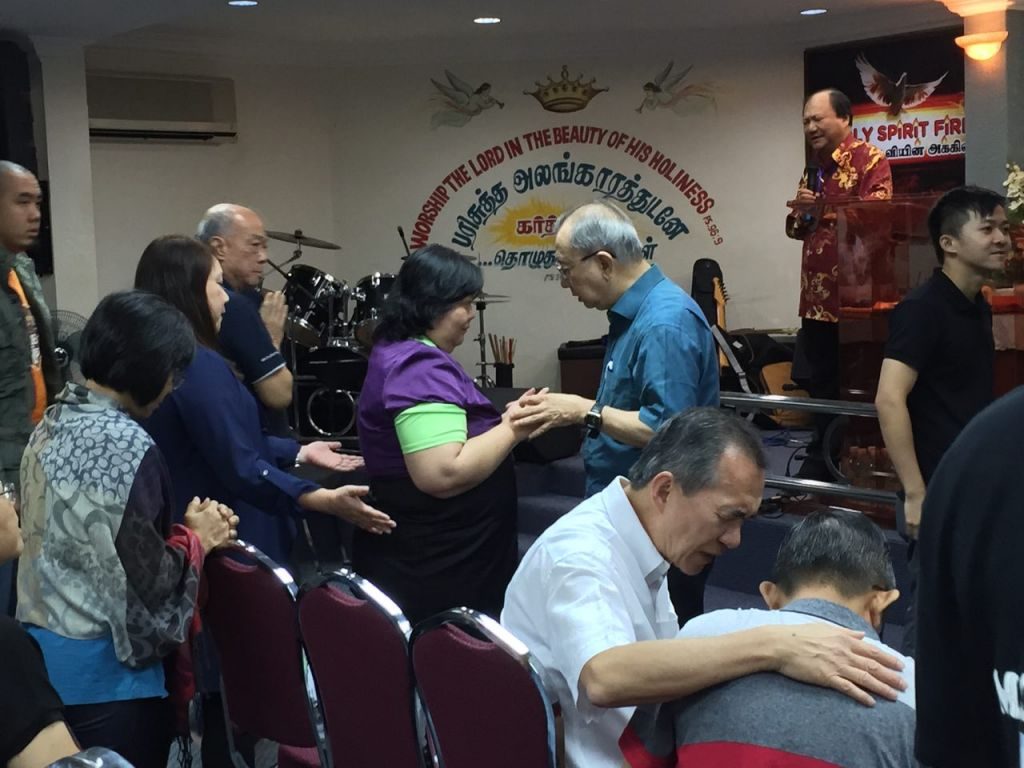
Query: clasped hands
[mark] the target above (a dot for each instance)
(214, 523)
(535, 412)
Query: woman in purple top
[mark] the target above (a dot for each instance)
(436, 450)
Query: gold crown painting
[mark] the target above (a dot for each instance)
(565, 95)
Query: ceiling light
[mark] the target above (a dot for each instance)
(243, 3)
(487, 20)
(813, 11)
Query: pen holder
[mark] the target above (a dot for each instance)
(503, 374)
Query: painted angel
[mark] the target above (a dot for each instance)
(460, 101)
(668, 92)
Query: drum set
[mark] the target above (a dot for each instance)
(329, 328)
(324, 311)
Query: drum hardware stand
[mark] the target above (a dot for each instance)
(401, 234)
(483, 380)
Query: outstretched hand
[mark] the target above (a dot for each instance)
(324, 454)
(347, 503)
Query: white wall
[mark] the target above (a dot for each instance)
(348, 155)
(748, 155)
(280, 165)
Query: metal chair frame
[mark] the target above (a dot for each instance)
(351, 582)
(285, 582)
(467, 618)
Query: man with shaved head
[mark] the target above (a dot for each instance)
(660, 358)
(253, 326)
(29, 373)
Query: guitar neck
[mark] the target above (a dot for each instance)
(719, 295)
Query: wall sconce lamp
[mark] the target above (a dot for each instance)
(984, 23)
(982, 45)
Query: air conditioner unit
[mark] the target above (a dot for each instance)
(130, 106)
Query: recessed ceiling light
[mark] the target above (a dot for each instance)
(243, 3)
(487, 20)
(813, 11)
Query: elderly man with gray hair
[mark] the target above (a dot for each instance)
(660, 358)
(253, 326)
(590, 599)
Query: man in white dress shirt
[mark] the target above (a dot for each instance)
(591, 592)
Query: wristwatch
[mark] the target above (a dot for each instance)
(593, 421)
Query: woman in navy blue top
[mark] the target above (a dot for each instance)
(209, 427)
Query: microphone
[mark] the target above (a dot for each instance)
(401, 234)
(812, 173)
(814, 178)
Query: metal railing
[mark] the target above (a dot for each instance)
(746, 403)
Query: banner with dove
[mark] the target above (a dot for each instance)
(908, 100)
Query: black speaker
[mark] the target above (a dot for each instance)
(323, 412)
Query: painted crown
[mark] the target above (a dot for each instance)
(565, 95)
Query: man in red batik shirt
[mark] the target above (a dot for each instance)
(842, 167)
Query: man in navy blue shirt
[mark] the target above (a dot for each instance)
(253, 326)
(660, 358)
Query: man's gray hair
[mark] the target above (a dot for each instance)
(600, 225)
(216, 222)
(691, 444)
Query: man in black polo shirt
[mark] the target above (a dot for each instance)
(970, 657)
(253, 326)
(937, 371)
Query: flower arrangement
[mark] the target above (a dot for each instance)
(1015, 213)
(1014, 193)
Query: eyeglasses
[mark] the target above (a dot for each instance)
(563, 271)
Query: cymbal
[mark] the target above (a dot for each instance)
(303, 240)
(496, 297)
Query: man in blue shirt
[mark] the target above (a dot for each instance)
(660, 357)
(253, 326)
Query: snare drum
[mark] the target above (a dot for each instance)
(370, 294)
(312, 296)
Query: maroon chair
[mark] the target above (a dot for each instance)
(357, 640)
(484, 699)
(251, 615)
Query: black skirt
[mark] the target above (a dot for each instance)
(443, 553)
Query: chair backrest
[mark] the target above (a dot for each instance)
(484, 699)
(357, 640)
(250, 612)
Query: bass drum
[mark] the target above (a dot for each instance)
(331, 412)
(370, 293)
(312, 295)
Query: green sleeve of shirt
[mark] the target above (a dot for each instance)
(429, 425)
